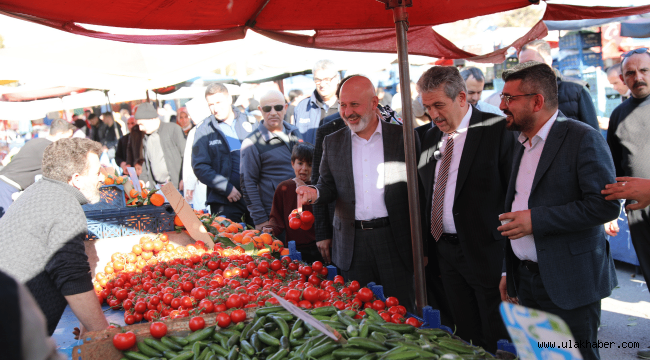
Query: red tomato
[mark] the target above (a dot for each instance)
(305, 270)
(354, 286)
(158, 329)
(169, 272)
(127, 304)
(207, 306)
(238, 316)
(397, 319)
(378, 305)
(310, 294)
(339, 305)
(220, 308)
(124, 341)
(121, 294)
(167, 298)
(295, 223)
(234, 301)
(385, 315)
(305, 304)
(305, 226)
(392, 301)
(197, 323)
(393, 310)
(317, 266)
(129, 319)
(187, 302)
(338, 279)
(413, 322)
(307, 217)
(314, 280)
(263, 267)
(223, 320)
(292, 266)
(187, 286)
(401, 310)
(293, 294)
(140, 307)
(365, 294)
(276, 265)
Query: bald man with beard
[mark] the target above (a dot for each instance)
(266, 157)
(363, 170)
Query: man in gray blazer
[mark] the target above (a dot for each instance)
(364, 171)
(557, 259)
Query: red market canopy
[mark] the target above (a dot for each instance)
(362, 25)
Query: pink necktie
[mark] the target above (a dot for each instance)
(439, 191)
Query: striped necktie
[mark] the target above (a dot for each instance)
(439, 191)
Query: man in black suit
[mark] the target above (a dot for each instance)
(363, 169)
(464, 167)
(557, 259)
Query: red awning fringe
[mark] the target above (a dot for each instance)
(423, 40)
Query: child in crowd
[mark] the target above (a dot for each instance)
(138, 167)
(285, 200)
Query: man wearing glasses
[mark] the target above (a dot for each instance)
(266, 157)
(309, 113)
(627, 137)
(557, 259)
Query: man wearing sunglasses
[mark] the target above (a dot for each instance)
(557, 259)
(628, 137)
(309, 113)
(266, 157)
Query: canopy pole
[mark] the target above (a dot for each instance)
(401, 27)
(108, 100)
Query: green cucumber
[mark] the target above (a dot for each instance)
(135, 355)
(200, 334)
(267, 338)
(321, 350)
(148, 350)
(350, 352)
(367, 344)
(171, 343)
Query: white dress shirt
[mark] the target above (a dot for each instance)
(368, 171)
(524, 247)
(448, 225)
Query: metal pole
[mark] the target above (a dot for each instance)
(401, 26)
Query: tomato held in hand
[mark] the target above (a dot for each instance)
(295, 223)
(197, 323)
(124, 341)
(158, 329)
(307, 217)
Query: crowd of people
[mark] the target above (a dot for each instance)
(516, 201)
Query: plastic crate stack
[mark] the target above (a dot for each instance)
(581, 41)
(111, 218)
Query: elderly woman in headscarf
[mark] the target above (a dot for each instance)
(184, 120)
(194, 191)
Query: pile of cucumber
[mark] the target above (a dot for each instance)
(275, 334)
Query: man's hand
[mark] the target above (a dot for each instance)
(306, 195)
(180, 186)
(611, 228)
(189, 194)
(503, 288)
(629, 188)
(324, 246)
(261, 226)
(519, 226)
(87, 309)
(235, 195)
(78, 332)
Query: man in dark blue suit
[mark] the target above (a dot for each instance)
(557, 259)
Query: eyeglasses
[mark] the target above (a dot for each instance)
(326, 80)
(635, 51)
(268, 108)
(507, 98)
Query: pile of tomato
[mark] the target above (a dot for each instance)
(213, 283)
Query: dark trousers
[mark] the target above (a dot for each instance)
(234, 211)
(375, 259)
(6, 191)
(474, 306)
(583, 321)
(639, 224)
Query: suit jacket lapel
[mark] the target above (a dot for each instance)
(553, 141)
(427, 167)
(510, 194)
(346, 155)
(472, 141)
